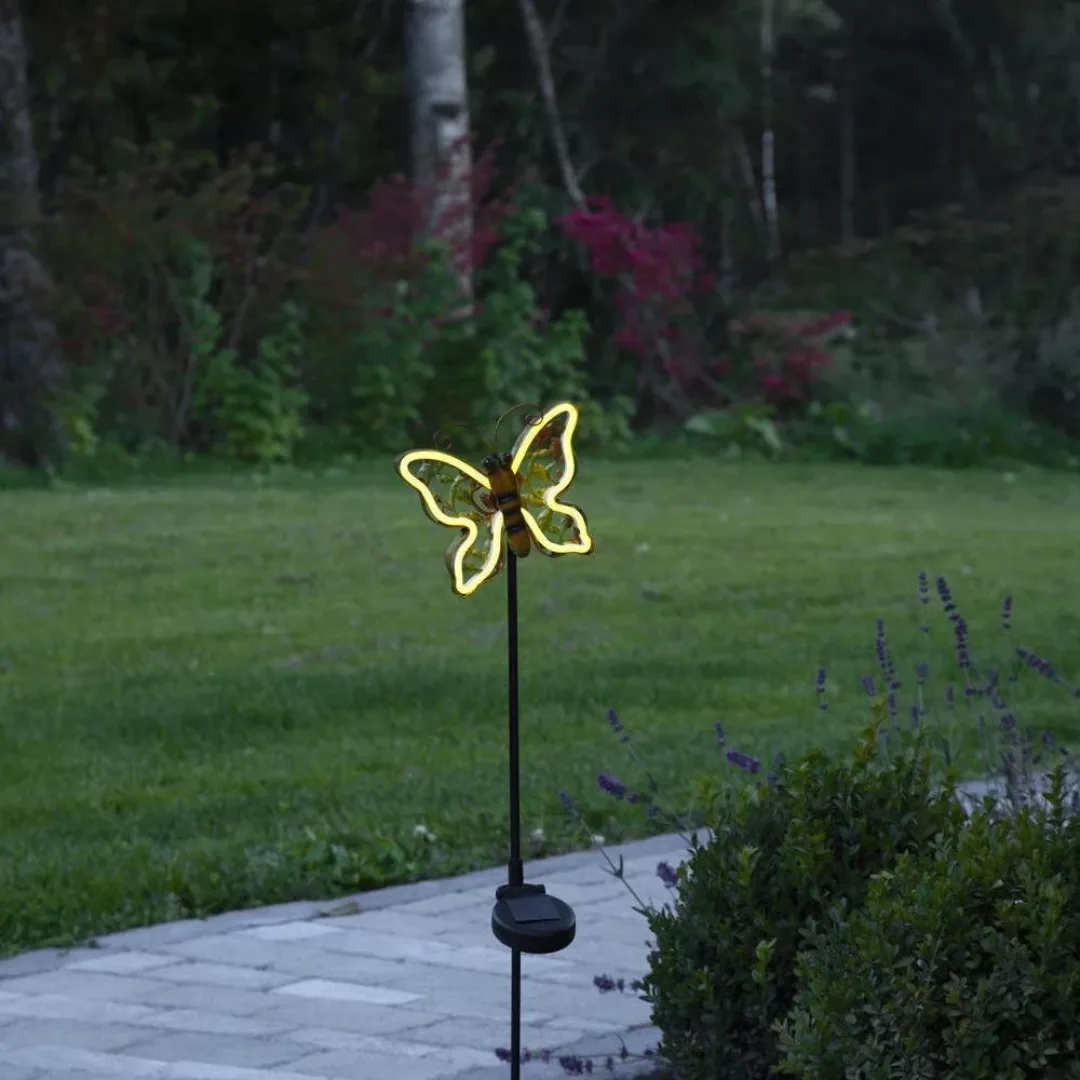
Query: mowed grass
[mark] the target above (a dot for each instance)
(224, 692)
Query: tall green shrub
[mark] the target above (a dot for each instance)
(723, 969)
(963, 964)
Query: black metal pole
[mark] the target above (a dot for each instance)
(516, 869)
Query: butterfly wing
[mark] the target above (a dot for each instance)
(543, 458)
(452, 491)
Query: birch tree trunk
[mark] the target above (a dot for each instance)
(439, 106)
(30, 365)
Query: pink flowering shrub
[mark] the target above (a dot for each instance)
(660, 282)
(787, 353)
(659, 274)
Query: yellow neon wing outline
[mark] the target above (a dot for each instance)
(583, 545)
(462, 583)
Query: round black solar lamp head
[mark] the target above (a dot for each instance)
(525, 917)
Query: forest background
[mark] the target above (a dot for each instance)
(286, 232)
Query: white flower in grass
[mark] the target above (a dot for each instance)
(423, 833)
(598, 838)
(538, 835)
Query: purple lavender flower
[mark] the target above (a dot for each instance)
(606, 984)
(922, 669)
(612, 785)
(945, 595)
(652, 810)
(1039, 664)
(963, 656)
(1006, 613)
(743, 761)
(721, 738)
(666, 874)
(868, 686)
(568, 803)
(821, 675)
(892, 703)
(924, 588)
(573, 1065)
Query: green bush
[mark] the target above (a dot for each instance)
(723, 969)
(936, 434)
(415, 357)
(964, 965)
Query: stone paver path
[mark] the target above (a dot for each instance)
(402, 984)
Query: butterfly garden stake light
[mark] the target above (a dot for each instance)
(503, 510)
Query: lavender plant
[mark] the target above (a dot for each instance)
(900, 783)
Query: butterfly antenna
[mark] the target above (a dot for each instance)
(533, 416)
(442, 440)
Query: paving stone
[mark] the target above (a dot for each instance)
(346, 1016)
(120, 962)
(58, 1007)
(89, 1061)
(189, 1070)
(210, 1023)
(239, 1050)
(151, 938)
(296, 911)
(478, 1034)
(356, 1065)
(80, 1034)
(427, 979)
(563, 1001)
(387, 946)
(40, 960)
(327, 1039)
(233, 948)
(227, 975)
(291, 931)
(347, 967)
(330, 990)
(484, 959)
(204, 1070)
(216, 999)
(389, 921)
(83, 986)
(455, 901)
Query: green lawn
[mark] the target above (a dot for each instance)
(225, 692)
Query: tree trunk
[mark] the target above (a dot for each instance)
(541, 54)
(30, 364)
(439, 100)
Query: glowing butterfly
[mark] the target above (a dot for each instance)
(514, 497)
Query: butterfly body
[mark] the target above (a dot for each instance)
(505, 497)
(513, 497)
